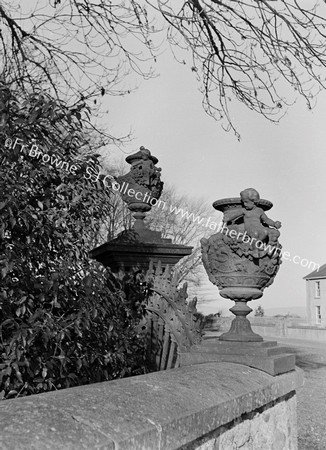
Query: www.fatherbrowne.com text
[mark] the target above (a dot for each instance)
(90, 174)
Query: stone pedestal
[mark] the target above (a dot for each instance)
(267, 356)
(122, 255)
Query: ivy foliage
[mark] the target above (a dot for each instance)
(64, 319)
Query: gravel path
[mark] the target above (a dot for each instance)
(312, 396)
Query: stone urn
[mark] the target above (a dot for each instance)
(141, 188)
(243, 257)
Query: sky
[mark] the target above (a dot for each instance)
(286, 163)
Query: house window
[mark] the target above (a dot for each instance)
(318, 315)
(317, 289)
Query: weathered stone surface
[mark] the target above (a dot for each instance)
(273, 365)
(266, 356)
(143, 183)
(268, 430)
(243, 257)
(125, 255)
(161, 410)
(264, 348)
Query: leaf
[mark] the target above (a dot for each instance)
(79, 364)
(12, 221)
(76, 199)
(11, 393)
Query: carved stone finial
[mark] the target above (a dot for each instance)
(141, 187)
(243, 258)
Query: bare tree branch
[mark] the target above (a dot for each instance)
(252, 51)
(77, 48)
(245, 50)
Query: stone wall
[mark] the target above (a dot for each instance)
(307, 332)
(206, 406)
(276, 327)
(287, 327)
(267, 429)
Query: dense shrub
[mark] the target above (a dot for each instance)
(63, 320)
(52, 337)
(208, 321)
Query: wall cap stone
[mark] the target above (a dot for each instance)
(161, 410)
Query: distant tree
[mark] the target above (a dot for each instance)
(259, 312)
(251, 51)
(183, 220)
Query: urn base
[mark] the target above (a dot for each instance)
(240, 330)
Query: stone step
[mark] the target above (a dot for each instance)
(272, 364)
(267, 348)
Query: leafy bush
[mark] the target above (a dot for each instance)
(64, 320)
(208, 321)
(52, 339)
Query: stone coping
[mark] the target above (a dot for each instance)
(162, 410)
(141, 247)
(308, 327)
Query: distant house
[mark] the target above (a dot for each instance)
(316, 296)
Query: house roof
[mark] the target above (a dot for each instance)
(316, 274)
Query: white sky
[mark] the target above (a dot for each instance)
(286, 163)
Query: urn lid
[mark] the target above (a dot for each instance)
(139, 155)
(229, 203)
